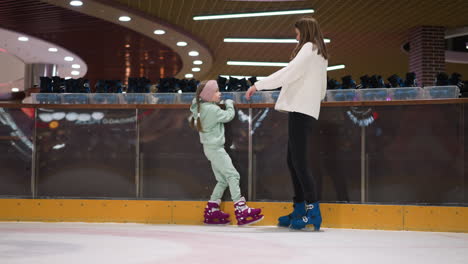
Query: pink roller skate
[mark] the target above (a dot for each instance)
(246, 215)
(214, 216)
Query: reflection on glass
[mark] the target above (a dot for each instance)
(413, 154)
(338, 173)
(86, 153)
(173, 165)
(16, 132)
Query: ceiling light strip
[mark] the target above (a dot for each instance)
(256, 14)
(264, 40)
(276, 64)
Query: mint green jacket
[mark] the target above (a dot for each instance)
(212, 119)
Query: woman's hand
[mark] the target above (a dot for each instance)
(250, 92)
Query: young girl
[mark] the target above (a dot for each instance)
(304, 83)
(208, 119)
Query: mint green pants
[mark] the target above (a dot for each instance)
(224, 171)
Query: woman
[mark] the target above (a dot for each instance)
(303, 84)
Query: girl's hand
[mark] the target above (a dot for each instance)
(250, 92)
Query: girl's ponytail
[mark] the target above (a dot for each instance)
(195, 121)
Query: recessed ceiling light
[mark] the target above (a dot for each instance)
(125, 18)
(188, 75)
(67, 78)
(127, 45)
(53, 49)
(193, 53)
(159, 32)
(197, 62)
(76, 3)
(59, 146)
(68, 58)
(181, 43)
(15, 90)
(23, 38)
(76, 66)
(256, 14)
(75, 73)
(265, 40)
(196, 69)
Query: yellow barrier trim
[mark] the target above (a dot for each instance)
(353, 216)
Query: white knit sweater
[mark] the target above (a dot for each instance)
(303, 82)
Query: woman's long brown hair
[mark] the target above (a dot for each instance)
(309, 30)
(198, 125)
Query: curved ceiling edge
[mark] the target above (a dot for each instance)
(456, 57)
(456, 32)
(145, 24)
(450, 56)
(36, 50)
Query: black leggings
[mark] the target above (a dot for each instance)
(303, 159)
